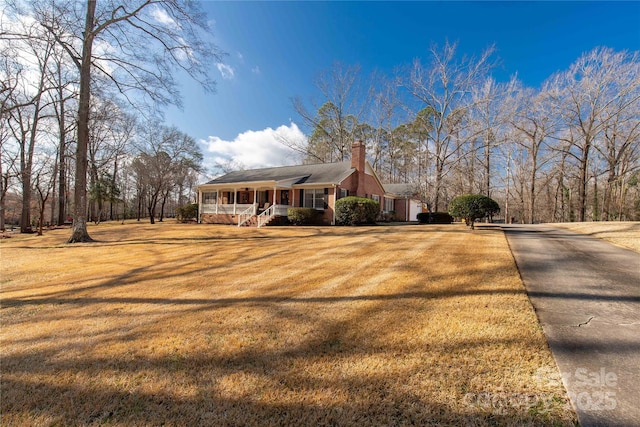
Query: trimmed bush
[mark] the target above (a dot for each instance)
(435, 218)
(187, 213)
(353, 210)
(471, 207)
(303, 216)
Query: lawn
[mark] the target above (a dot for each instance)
(622, 233)
(214, 325)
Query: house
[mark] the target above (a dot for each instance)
(260, 196)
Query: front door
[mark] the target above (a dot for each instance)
(284, 197)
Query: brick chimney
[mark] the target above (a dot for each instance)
(358, 153)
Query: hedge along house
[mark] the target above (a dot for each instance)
(262, 196)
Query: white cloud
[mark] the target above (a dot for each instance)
(255, 70)
(255, 149)
(163, 17)
(226, 71)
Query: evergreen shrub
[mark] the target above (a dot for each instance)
(303, 216)
(354, 210)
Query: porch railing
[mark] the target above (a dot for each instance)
(281, 210)
(227, 209)
(270, 212)
(246, 215)
(265, 216)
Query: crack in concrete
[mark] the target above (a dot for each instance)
(585, 323)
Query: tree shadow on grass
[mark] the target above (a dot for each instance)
(277, 358)
(316, 381)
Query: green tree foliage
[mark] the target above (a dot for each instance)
(332, 134)
(471, 207)
(356, 210)
(104, 189)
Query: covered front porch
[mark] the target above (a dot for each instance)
(244, 204)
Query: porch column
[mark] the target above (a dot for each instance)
(199, 201)
(217, 199)
(275, 190)
(235, 199)
(293, 197)
(255, 200)
(335, 199)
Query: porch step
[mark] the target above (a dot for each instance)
(253, 222)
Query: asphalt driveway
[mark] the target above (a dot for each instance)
(586, 293)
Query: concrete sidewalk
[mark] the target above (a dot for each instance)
(586, 293)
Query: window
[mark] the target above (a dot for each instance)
(375, 197)
(388, 204)
(343, 193)
(263, 197)
(229, 196)
(209, 198)
(316, 198)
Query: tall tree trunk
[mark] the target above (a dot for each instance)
(62, 168)
(53, 191)
(151, 208)
(608, 190)
(139, 205)
(3, 192)
(79, 231)
(162, 205)
(112, 198)
(583, 177)
(438, 184)
(532, 188)
(25, 171)
(487, 166)
(26, 167)
(41, 206)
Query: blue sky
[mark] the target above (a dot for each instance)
(277, 49)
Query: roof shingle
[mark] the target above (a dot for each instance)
(321, 173)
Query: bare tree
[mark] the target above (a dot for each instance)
(392, 148)
(110, 132)
(334, 124)
(444, 87)
(24, 123)
(31, 50)
(619, 145)
(43, 178)
(136, 46)
(10, 76)
(8, 170)
(63, 95)
(533, 123)
(492, 107)
(587, 94)
(167, 157)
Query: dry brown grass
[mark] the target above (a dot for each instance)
(215, 325)
(625, 234)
